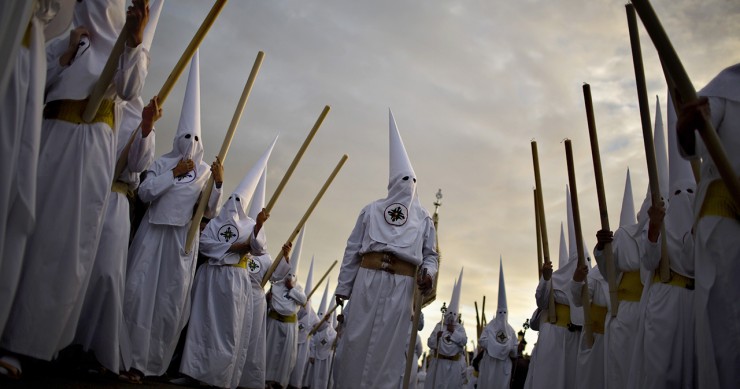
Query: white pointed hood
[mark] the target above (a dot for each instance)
(295, 255)
(627, 216)
(502, 309)
(258, 199)
(453, 309)
(232, 223)
(661, 150)
(308, 286)
(324, 306)
(155, 9)
(680, 175)
(397, 220)
(563, 253)
(174, 207)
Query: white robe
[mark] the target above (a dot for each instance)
(253, 374)
(74, 177)
(159, 277)
(321, 351)
(377, 321)
(298, 377)
(499, 347)
(717, 254)
(101, 318)
(221, 320)
(446, 373)
(664, 350)
(21, 104)
(591, 371)
(282, 338)
(620, 331)
(553, 365)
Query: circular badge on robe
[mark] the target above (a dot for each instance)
(187, 178)
(501, 337)
(228, 233)
(253, 266)
(396, 214)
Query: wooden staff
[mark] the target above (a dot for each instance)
(585, 299)
(483, 311)
(478, 327)
(326, 317)
(539, 235)
(611, 270)
(302, 222)
(665, 265)
(185, 58)
(316, 287)
(417, 301)
(205, 195)
(552, 315)
(297, 159)
(106, 76)
(686, 92)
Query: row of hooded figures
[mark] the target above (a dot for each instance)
(72, 275)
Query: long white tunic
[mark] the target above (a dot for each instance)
(21, 104)
(306, 320)
(499, 347)
(553, 365)
(446, 373)
(74, 178)
(717, 254)
(253, 374)
(282, 338)
(591, 371)
(321, 351)
(620, 331)
(221, 320)
(100, 322)
(159, 276)
(664, 350)
(370, 352)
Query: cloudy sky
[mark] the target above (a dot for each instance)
(470, 84)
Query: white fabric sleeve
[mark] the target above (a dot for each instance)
(258, 243)
(576, 295)
(459, 337)
(154, 186)
(216, 250)
(281, 271)
(542, 295)
(297, 295)
(651, 256)
(352, 259)
(141, 153)
(601, 261)
(132, 70)
(429, 252)
(53, 52)
(432, 340)
(212, 208)
(418, 348)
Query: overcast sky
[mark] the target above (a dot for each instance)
(470, 84)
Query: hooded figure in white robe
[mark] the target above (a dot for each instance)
(253, 373)
(554, 363)
(399, 231)
(74, 176)
(307, 318)
(321, 348)
(102, 312)
(221, 319)
(717, 248)
(498, 343)
(591, 371)
(446, 345)
(21, 106)
(160, 274)
(664, 353)
(286, 299)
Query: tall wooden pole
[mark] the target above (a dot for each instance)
(642, 96)
(303, 220)
(552, 316)
(539, 235)
(611, 270)
(205, 195)
(185, 58)
(106, 76)
(686, 93)
(585, 298)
